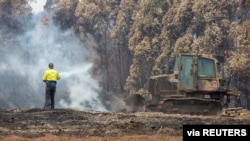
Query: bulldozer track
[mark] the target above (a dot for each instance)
(193, 106)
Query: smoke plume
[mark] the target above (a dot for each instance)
(25, 58)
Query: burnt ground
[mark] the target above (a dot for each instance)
(31, 124)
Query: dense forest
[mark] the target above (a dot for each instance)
(130, 40)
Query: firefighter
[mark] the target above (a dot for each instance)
(50, 78)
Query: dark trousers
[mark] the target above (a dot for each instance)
(49, 98)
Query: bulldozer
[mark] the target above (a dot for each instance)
(195, 86)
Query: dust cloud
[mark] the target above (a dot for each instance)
(25, 57)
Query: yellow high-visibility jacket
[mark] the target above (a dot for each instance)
(51, 75)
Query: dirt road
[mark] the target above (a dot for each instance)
(76, 125)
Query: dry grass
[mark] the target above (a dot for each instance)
(123, 138)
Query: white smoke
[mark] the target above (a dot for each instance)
(37, 6)
(82, 88)
(25, 60)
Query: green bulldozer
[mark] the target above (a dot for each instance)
(195, 86)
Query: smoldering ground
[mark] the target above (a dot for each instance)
(24, 58)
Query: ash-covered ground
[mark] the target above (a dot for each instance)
(36, 123)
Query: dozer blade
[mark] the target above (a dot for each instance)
(135, 103)
(192, 106)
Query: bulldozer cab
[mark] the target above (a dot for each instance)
(197, 72)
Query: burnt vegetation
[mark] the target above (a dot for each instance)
(131, 39)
